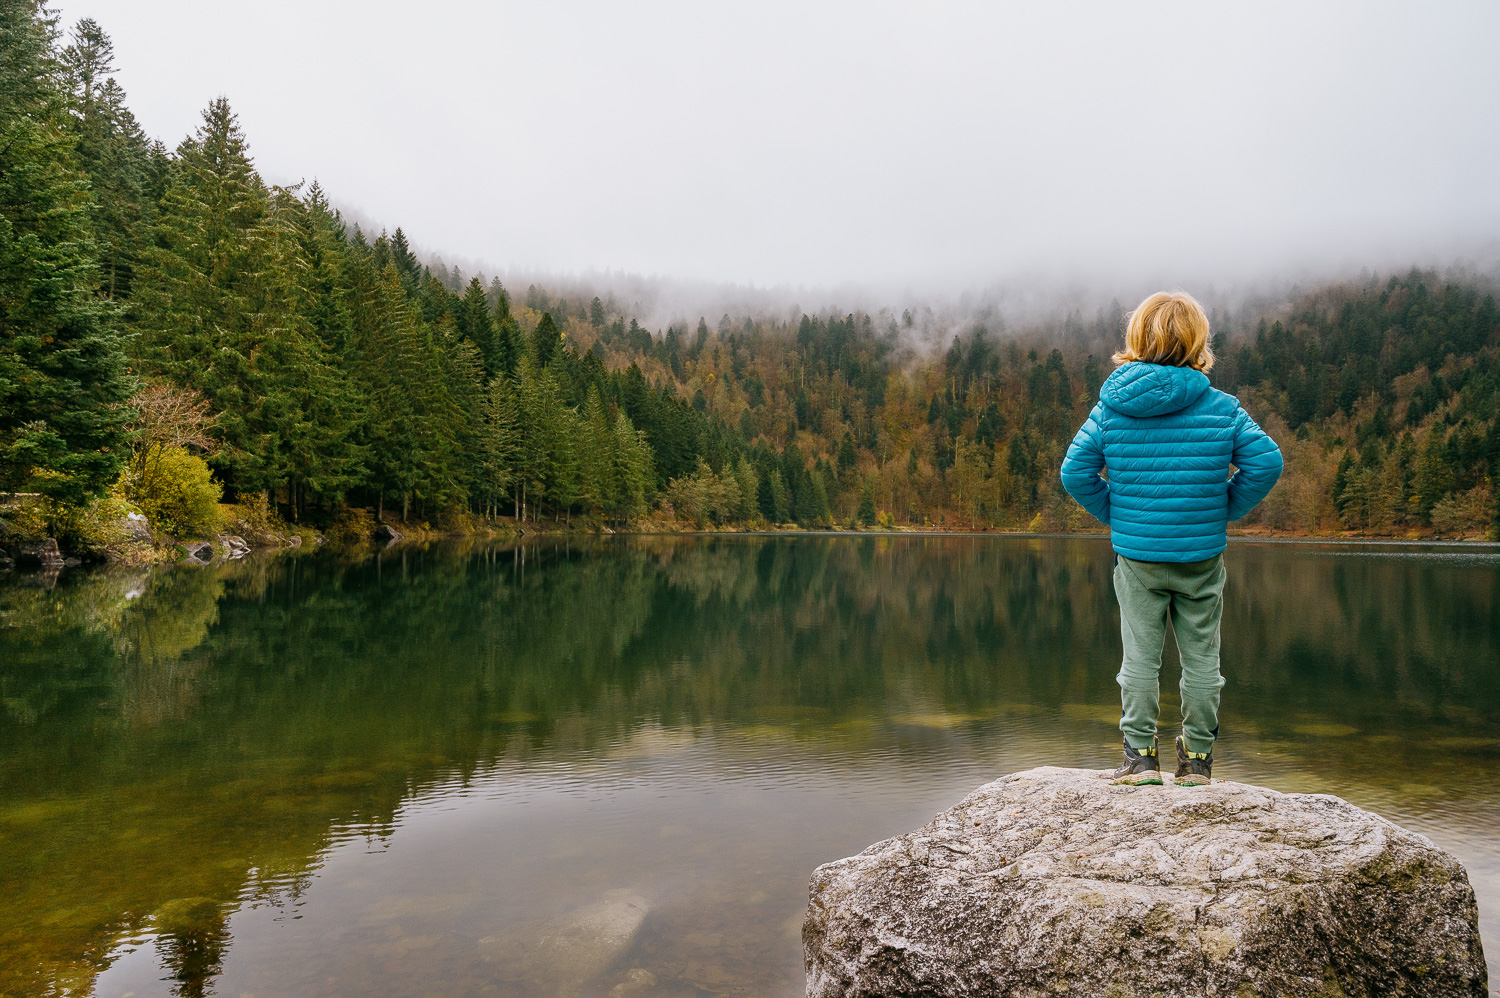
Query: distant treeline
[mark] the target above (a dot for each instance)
(338, 370)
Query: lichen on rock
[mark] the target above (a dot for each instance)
(1053, 881)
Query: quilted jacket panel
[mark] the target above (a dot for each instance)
(1156, 462)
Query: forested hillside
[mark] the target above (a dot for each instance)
(167, 312)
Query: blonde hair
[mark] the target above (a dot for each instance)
(1168, 328)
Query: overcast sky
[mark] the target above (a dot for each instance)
(926, 145)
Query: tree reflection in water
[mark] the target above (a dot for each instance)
(227, 721)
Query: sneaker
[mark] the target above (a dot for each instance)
(1193, 770)
(1141, 768)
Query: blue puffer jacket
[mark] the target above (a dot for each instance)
(1168, 440)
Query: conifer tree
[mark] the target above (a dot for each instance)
(545, 340)
(451, 416)
(404, 260)
(214, 306)
(63, 382)
(477, 327)
(866, 512)
(325, 458)
(385, 355)
(747, 485)
(500, 443)
(594, 444)
(115, 154)
(508, 346)
(631, 466)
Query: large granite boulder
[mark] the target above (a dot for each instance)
(137, 528)
(1054, 882)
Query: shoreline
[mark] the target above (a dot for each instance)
(302, 539)
(925, 532)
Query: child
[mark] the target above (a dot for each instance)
(1167, 441)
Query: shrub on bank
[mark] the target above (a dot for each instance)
(88, 528)
(178, 494)
(350, 525)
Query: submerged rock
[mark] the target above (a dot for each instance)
(636, 982)
(189, 915)
(560, 956)
(1052, 881)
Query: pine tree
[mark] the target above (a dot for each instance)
(594, 445)
(748, 487)
(385, 354)
(1434, 475)
(545, 340)
(780, 498)
(114, 153)
(499, 442)
(214, 303)
(866, 513)
(325, 456)
(632, 473)
(405, 260)
(63, 381)
(533, 455)
(507, 332)
(476, 326)
(451, 417)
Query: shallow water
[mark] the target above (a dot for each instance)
(455, 771)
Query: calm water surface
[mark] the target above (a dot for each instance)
(456, 771)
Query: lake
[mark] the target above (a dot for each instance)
(452, 770)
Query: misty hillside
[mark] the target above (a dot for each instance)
(331, 369)
(1382, 395)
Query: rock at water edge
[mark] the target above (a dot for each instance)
(200, 552)
(37, 554)
(1052, 882)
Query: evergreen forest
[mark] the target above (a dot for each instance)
(172, 325)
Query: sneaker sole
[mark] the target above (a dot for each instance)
(1191, 781)
(1139, 780)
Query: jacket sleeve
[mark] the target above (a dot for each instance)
(1259, 462)
(1082, 464)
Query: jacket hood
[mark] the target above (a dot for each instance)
(1141, 389)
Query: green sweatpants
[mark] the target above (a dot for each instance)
(1190, 597)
